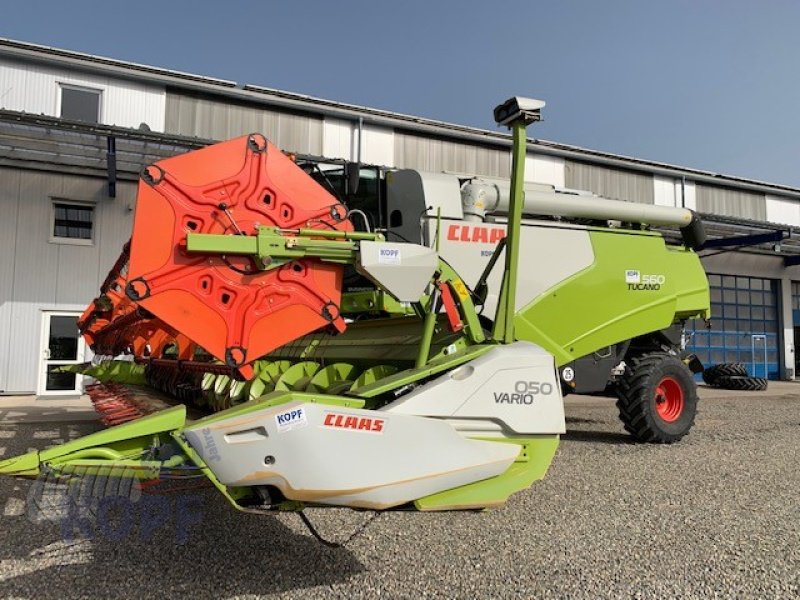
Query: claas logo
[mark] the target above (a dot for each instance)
(340, 421)
(477, 234)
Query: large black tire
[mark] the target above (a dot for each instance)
(736, 382)
(711, 374)
(657, 398)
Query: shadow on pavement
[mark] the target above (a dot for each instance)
(573, 420)
(227, 552)
(598, 437)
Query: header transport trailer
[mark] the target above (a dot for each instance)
(344, 361)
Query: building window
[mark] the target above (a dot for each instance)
(72, 223)
(80, 104)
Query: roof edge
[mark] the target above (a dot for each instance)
(291, 100)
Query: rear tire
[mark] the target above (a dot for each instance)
(711, 374)
(657, 398)
(747, 384)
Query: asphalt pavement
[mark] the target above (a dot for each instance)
(714, 516)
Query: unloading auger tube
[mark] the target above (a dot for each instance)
(483, 196)
(237, 256)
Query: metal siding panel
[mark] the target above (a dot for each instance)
(293, 133)
(26, 88)
(545, 169)
(783, 210)
(34, 276)
(268, 125)
(204, 117)
(9, 214)
(23, 363)
(34, 89)
(76, 274)
(690, 195)
(314, 136)
(337, 139)
(114, 224)
(77, 265)
(178, 116)
(433, 154)
(44, 275)
(84, 189)
(731, 203)
(617, 184)
(665, 191)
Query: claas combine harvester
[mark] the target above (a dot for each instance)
(418, 388)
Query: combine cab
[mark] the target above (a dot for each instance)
(425, 388)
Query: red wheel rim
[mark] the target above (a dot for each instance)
(669, 399)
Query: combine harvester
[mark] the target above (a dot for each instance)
(229, 297)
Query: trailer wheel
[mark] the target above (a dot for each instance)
(657, 398)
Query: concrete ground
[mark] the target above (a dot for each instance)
(715, 516)
(30, 409)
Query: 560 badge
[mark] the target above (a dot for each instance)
(638, 282)
(524, 392)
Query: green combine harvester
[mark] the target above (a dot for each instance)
(434, 382)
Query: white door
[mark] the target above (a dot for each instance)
(62, 345)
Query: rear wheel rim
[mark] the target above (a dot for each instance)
(669, 399)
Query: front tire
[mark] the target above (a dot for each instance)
(657, 398)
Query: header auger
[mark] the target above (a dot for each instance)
(414, 390)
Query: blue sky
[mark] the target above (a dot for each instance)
(709, 84)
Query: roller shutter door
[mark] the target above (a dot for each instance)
(744, 325)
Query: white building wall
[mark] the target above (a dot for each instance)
(340, 140)
(783, 210)
(40, 275)
(667, 192)
(337, 139)
(545, 169)
(35, 89)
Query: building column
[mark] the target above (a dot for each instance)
(787, 328)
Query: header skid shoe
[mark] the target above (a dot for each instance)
(228, 305)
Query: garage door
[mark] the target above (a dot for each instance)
(744, 325)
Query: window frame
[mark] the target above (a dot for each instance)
(54, 239)
(81, 88)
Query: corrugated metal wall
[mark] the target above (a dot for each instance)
(39, 275)
(35, 89)
(413, 151)
(221, 120)
(618, 184)
(731, 203)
